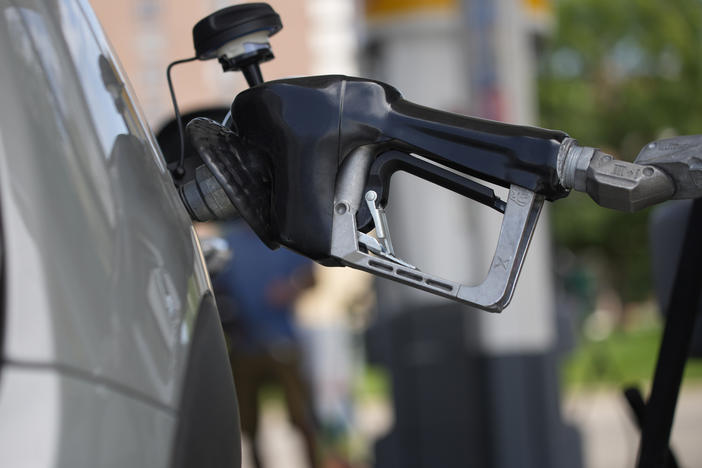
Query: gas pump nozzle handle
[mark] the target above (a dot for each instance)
(309, 126)
(333, 143)
(308, 163)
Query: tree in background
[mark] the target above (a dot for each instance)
(618, 74)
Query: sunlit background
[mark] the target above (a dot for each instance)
(404, 379)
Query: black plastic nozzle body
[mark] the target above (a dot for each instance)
(307, 126)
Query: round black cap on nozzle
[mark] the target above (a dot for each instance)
(227, 24)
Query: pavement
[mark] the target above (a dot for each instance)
(610, 439)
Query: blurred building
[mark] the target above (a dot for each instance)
(318, 36)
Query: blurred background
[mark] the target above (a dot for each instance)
(403, 379)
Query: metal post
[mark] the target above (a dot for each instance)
(675, 345)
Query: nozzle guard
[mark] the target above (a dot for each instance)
(353, 248)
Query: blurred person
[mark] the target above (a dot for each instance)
(329, 315)
(256, 293)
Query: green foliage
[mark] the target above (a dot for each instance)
(618, 74)
(373, 383)
(623, 358)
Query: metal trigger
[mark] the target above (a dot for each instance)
(381, 244)
(382, 231)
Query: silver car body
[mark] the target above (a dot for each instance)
(103, 278)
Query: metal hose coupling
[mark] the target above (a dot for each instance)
(612, 183)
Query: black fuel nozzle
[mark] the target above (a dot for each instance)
(311, 160)
(309, 127)
(333, 143)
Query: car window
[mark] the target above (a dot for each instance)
(99, 83)
(129, 108)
